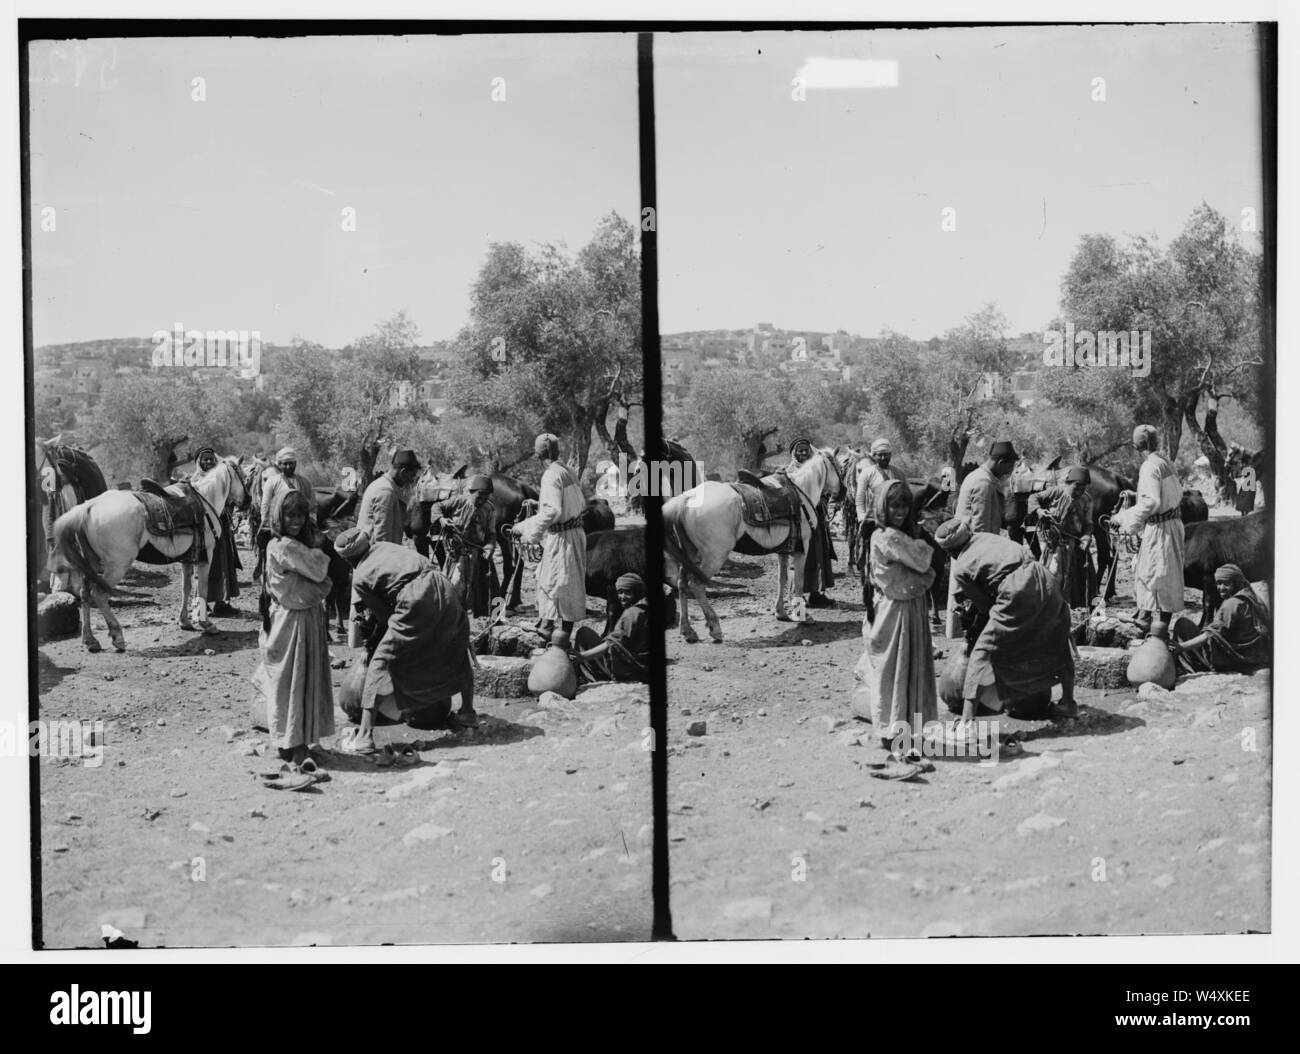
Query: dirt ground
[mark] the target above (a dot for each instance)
(1147, 815)
(535, 827)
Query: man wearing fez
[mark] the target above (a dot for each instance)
(1158, 580)
(981, 505)
(382, 514)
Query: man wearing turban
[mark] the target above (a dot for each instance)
(421, 659)
(817, 573)
(1158, 580)
(873, 477)
(1237, 639)
(624, 654)
(473, 518)
(1019, 644)
(279, 478)
(562, 573)
(223, 577)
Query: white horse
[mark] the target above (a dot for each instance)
(702, 526)
(100, 539)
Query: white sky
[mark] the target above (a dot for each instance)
(225, 214)
(826, 213)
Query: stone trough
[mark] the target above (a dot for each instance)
(1101, 667)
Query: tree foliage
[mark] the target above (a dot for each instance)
(553, 343)
(1201, 301)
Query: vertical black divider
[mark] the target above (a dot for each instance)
(654, 536)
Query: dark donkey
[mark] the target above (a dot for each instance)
(66, 476)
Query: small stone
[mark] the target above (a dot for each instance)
(686, 712)
(178, 793)
(209, 651)
(542, 890)
(199, 828)
(256, 814)
(806, 643)
(1164, 881)
(696, 728)
(762, 712)
(785, 783)
(1039, 822)
(570, 772)
(151, 814)
(161, 722)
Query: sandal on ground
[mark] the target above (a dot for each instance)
(915, 758)
(290, 778)
(347, 744)
(893, 770)
(318, 774)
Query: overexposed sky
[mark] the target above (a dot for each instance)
(826, 213)
(226, 214)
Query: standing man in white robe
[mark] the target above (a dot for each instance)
(1158, 580)
(562, 573)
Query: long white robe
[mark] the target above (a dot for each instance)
(1158, 580)
(562, 574)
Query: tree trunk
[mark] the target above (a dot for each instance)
(755, 449)
(164, 458)
(1211, 443)
(367, 456)
(1171, 427)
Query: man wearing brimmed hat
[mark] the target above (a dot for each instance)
(873, 476)
(562, 573)
(1158, 579)
(421, 661)
(474, 519)
(981, 505)
(382, 513)
(1019, 644)
(1064, 533)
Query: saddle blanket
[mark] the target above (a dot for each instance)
(766, 506)
(166, 514)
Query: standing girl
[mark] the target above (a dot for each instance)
(294, 675)
(896, 671)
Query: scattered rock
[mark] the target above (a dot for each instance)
(426, 832)
(256, 814)
(697, 728)
(1164, 881)
(542, 890)
(1026, 770)
(178, 793)
(161, 722)
(58, 615)
(1040, 821)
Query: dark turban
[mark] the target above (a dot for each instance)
(631, 583)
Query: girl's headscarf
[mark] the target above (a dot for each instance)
(286, 501)
(882, 505)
